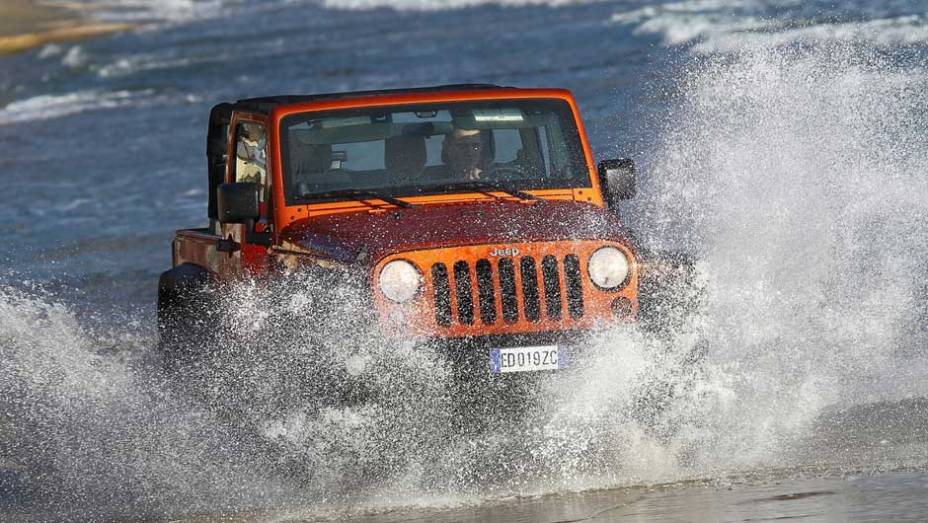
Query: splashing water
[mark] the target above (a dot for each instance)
(795, 179)
(797, 175)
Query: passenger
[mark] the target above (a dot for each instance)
(462, 153)
(405, 157)
(251, 156)
(251, 165)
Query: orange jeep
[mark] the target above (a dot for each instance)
(474, 212)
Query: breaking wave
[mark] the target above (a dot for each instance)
(716, 26)
(49, 106)
(181, 11)
(171, 11)
(437, 5)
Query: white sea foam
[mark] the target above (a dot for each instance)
(884, 33)
(156, 10)
(49, 50)
(132, 64)
(45, 107)
(75, 57)
(732, 25)
(440, 5)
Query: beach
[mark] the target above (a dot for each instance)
(27, 24)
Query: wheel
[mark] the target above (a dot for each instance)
(182, 313)
(671, 296)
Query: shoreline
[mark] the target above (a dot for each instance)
(27, 24)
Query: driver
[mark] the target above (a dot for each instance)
(461, 152)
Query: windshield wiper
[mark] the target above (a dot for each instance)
(360, 193)
(486, 187)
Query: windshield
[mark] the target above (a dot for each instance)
(431, 148)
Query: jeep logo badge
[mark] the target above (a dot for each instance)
(508, 251)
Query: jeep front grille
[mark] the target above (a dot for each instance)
(497, 289)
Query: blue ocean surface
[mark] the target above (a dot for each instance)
(783, 144)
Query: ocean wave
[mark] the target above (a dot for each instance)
(722, 26)
(439, 5)
(48, 106)
(708, 25)
(883, 33)
(154, 10)
(131, 64)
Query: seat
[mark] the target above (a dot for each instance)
(309, 164)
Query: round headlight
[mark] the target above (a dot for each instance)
(400, 281)
(608, 267)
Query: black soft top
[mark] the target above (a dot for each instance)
(265, 104)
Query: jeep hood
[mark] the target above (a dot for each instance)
(369, 235)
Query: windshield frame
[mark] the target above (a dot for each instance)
(571, 129)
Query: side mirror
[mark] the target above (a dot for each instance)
(237, 202)
(617, 178)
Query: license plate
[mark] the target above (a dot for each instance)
(526, 359)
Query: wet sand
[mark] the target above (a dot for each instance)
(787, 494)
(26, 24)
